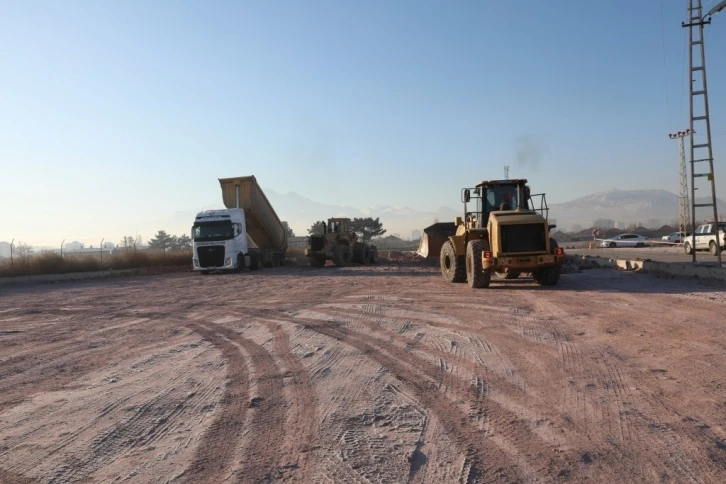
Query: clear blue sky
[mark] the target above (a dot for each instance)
(116, 114)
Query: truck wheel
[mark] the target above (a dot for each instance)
(453, 268)
(373, 251)
(476, 276)
(342, 255)
(547, 276)
(365, 254)
(713, 248)
(240, 263)
(255, 262)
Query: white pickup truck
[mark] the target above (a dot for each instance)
(708, 237)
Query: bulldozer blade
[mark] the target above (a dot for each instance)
(433, 239)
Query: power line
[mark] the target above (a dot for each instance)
(665, 67)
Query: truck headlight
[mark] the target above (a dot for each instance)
(228, 262)
(195, 263)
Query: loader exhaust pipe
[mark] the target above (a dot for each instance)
(236, 196)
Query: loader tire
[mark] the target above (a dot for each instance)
(476, 276)
(453, 268)
(547, 276)
(342, 255)
(373, 251)
(365, 254)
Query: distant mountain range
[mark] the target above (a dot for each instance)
(649, 207)
(654, 207)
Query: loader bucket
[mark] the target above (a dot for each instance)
(433, 239)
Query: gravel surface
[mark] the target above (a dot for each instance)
(381, 373)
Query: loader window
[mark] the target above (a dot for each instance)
(497, 195)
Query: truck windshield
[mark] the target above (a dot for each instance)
(212, 231)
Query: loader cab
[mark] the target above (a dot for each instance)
(492, 196)
(338, 225)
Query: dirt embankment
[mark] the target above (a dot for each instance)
(365, 374)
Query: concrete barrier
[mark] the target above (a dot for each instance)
(676, 269)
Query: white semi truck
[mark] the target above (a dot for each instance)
(246, 234)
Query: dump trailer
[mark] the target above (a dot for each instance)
(504, 233)
(247, 234)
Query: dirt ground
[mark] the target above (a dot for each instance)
(363, 374)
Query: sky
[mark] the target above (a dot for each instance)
(116, 114)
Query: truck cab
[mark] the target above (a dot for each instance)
(219, 242)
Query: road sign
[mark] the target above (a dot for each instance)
(595, 233)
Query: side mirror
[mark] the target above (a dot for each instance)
(467, 196)
(551, 226)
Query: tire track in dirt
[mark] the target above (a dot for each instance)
(631, 416)
(217, 448)
(7, 477)
(263, 458)
(301, 436)
(471, 441)
(65, 360)
(497, 422)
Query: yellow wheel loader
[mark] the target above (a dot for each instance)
(502, 232)
(339, 243)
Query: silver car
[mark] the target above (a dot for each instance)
(626, 240)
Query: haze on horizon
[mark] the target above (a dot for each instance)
(115, 116)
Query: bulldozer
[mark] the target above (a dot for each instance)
(505, 233)
(340, 244)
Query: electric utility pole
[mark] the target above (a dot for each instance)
(699, 87)
(683, 219)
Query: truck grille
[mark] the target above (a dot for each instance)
(523, 238)
(211, 255)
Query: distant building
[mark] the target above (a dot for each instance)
(4, 249)
(577, 228)
(603, 224)
(108, 245)
(71, 246)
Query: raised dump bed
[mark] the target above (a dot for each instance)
(263, 226)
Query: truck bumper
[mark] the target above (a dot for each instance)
(523, 263)
(228, 265)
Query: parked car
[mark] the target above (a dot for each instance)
(626, 240)
(675, 237)
(710, 237)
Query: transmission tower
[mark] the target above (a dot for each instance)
(683, 218)
(506, 172)
(698, 87)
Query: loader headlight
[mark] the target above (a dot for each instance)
(228, 262)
